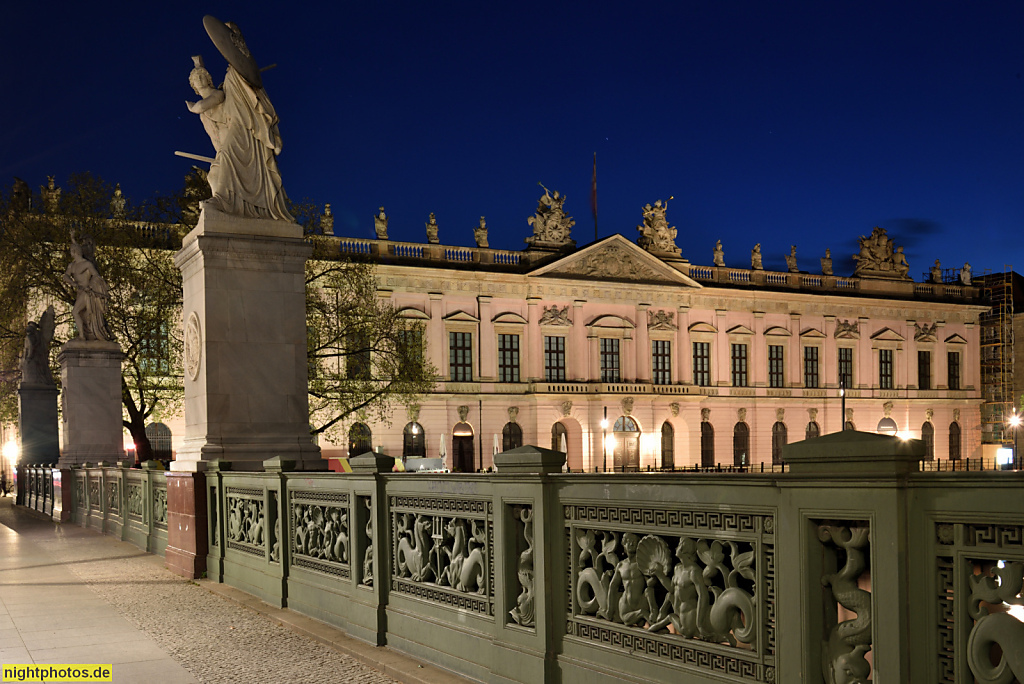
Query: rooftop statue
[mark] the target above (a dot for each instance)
(755, 258)
(878, 258)
(35, 366)
(432, 228)
(242, 125)
(380, 224)
(655, 233)
(935, 272)
(550, 224)
(480, 233)
(826, 263)
(791, 260)
(51, 195)
(91, 303)
(719, 256)
(965, 274)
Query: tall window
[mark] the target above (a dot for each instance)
(811, 367)
(846, 367)
(741, 445)
(707, 445)
(812, 430)
(558, 435)
(511, 436)
(953, 366)
(739, 365)
(554, 359)
(460, 356)
(779, 438)
(928, 437)
(776, 367)
(668, 447)
(357, 357)
(159, 440)
(610, 360)
(414, 442)
(885, 368)
(702, 363)
(924, 369)
(410, 347)
(954, 441)
(508, 358)
(360, 439)
(154, 350)
(661, 362)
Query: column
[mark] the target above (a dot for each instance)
(759, 353)
(907, 373)
(682, 369)
(534, 372)
(488, 342)
(865, 372)
(722, 358)
(830, 362)
(795, 366)
(577, 349)
(643, 345)
(436, 343)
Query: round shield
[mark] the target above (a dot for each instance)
(232, 46)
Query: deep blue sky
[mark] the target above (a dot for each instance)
(783, 123)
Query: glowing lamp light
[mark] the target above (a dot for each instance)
(10, 452)
(1014, 420)
(609, 442)
(1004, 456)
(604, 424)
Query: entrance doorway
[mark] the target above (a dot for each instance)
(627, 444)
(462, 448)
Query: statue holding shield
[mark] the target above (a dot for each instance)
(242, 125)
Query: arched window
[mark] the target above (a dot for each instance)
(414, 441)
(741, 445)
(812, 431)
(928, 437)
(707, 445)
(954, 441)
(559, 436)
(779, 439)
(668, 447)
(625, 424)
(159, 440)
(360, 439)
(511, 437)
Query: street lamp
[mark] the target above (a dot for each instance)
(604, 439)
(842, 396)
(1015, 421)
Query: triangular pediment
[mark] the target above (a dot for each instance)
(778, 331)
(955, 339)
(812, 332)
(887, 335)
(702, 327)
(615, 259)
(740, 330)
(508, 317)
(411, 312)
(462, 316)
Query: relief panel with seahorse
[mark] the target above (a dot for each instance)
(442, 551)
(246, 520)
(320, 532)
(674, 584)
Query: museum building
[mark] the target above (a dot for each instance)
(626, 355)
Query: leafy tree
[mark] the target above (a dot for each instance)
(134, 254)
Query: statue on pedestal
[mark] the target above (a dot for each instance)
(480, 233)
(826, 263)
(51, 195)
(327, 221)
(755, 258)
(791, 260)
(380, 225)
(242, 126)
(935, 272)
(117, 203)
(35, 366)
(655, 233)
(965, 274)
(91, 303)
(550, 224)
(879, 259)
(432, 229)
(719, 254)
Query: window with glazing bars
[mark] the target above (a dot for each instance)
(460, 356)
(845, 367)
(508, 358)
(739, 365)
(953, 366)
(661, 362)
(885, 368)
(554, 359)
(776, 367)
(702, 363)
(610, 360)
(924, 369)
(811, 367)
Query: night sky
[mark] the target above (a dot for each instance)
(803, 123)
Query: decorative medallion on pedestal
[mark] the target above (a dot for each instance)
(193, 345)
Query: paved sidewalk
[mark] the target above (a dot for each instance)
(70, 595)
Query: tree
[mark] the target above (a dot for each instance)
(364, 356)
(134, 254)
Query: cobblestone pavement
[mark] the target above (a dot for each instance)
(214, 639)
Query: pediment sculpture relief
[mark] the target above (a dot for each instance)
(925, 333)
(879, 259)
(847, 329)
(613, 262)
(554, 316)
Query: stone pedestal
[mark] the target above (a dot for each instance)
(244, 311)
(90, 374)
(187, 539)
(37, 424)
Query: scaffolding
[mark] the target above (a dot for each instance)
(997, 355)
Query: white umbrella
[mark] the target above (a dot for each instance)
(497, 443)
(565, 447)
(441, 450)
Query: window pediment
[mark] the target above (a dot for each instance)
(702, 328)
(611, 321)
(955, 339)
(739, 330)
(811, 333)
(777, 331)
(412, 312)
(461, 316)
(509, 317)
(887, 335)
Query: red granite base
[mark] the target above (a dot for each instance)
(186, 524)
